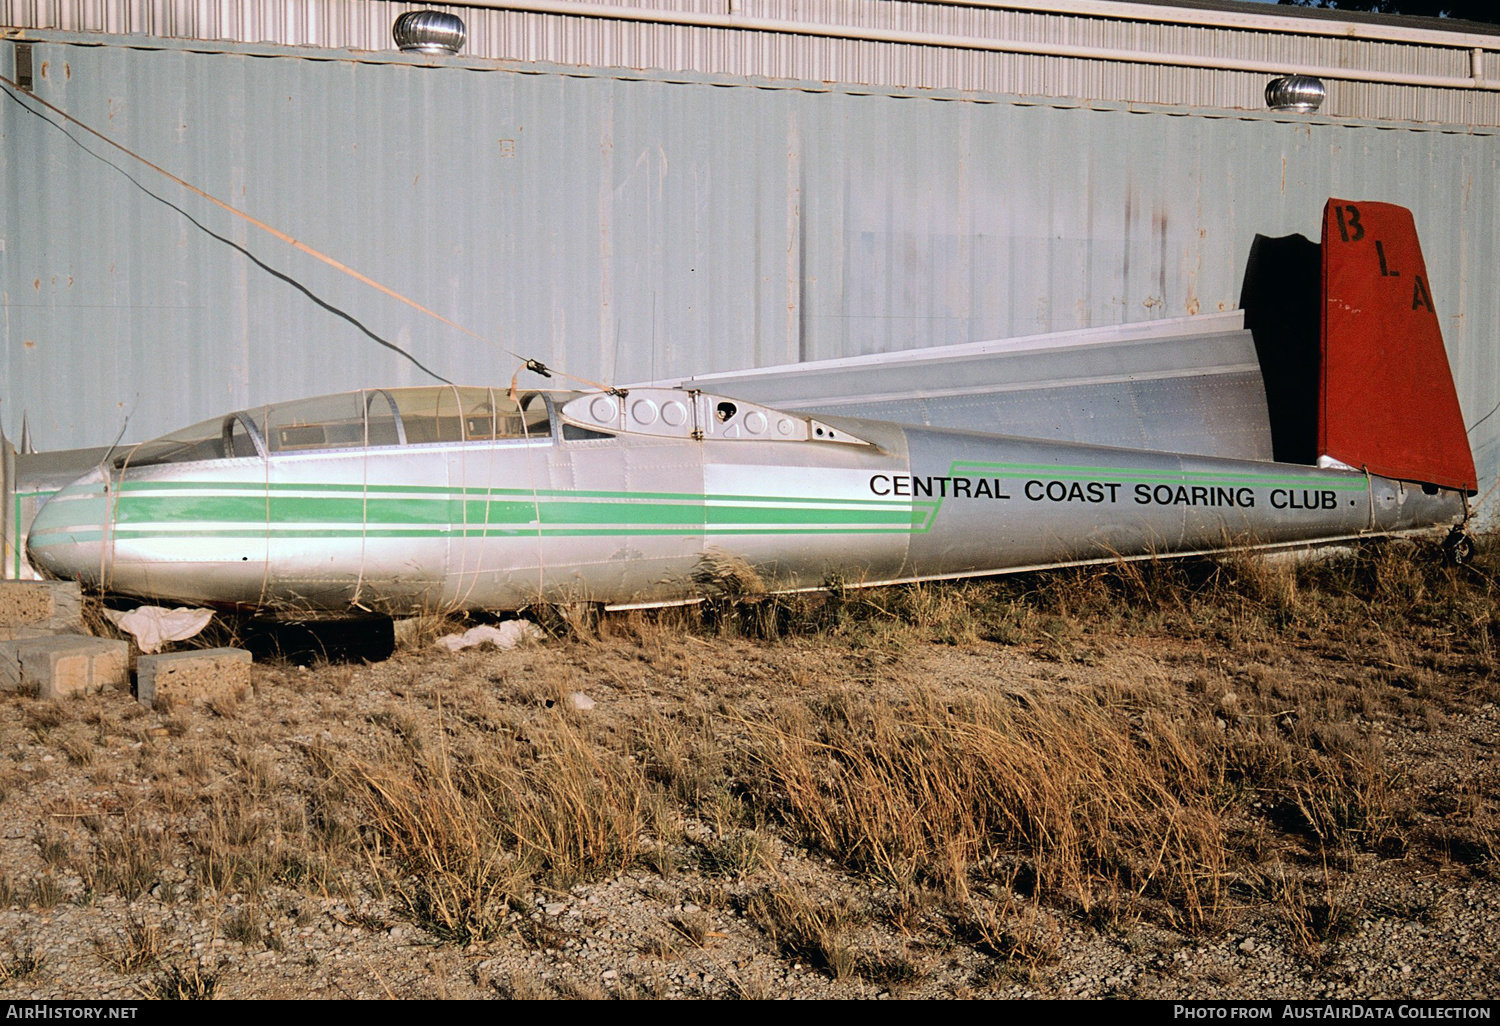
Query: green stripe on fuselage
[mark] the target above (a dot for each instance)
(164, 510)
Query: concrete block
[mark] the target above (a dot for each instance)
(111, 664)
(196, 678)
(65, 665)
(41, 605)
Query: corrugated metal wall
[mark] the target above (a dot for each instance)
(627, 226)
(1204, 61)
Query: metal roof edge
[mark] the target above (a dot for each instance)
(719, 79)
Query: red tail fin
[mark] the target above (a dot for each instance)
(1387, 401)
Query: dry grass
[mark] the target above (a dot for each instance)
(806, 926)
(186, 981)
(126, 861)
(20, 963)
(1129, 798)
(244, 926)
(45, 892)
(1020, 935)
(422, 631)
(683, 754)
(1063, 797)
(1315, 912)
(139, 945)
(736, 855)
(469, 832)
(1122, 800)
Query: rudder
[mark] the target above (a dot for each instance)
(1387, 403)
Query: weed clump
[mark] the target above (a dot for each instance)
(806, 927)
(137, 947)
(191, 981)
(1058, 797)
(469, 833)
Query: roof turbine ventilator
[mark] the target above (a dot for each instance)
(1301, 93)
(434, 32)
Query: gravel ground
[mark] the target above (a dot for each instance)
(79, 776)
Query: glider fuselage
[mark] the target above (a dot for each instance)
(622, 498)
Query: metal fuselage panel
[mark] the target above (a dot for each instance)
(626, 519)
(1014, 502)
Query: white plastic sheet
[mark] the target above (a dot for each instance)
(508, 635)
(154, 626)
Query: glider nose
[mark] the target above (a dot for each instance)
(70, 537)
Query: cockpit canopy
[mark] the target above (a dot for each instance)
(371, 417)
